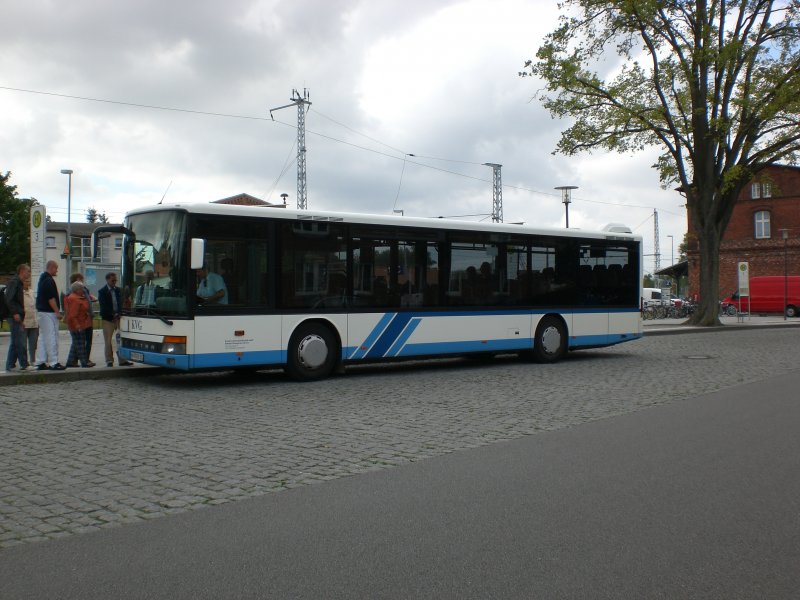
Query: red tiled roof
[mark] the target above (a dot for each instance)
(244, 200)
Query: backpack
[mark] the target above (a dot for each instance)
(3, 305)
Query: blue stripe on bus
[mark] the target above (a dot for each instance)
(388, 337)
(230, 359)
(362, 350)
(528, 311)
(403, 338)
(433, 348)
(609, 339)
(176, 361)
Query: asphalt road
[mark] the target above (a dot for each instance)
(693, 498)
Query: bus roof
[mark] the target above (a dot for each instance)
(378, 219)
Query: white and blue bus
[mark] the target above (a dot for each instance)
(210, 286)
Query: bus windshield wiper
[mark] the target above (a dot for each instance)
(165, 320)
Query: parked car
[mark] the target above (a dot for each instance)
(767, 296)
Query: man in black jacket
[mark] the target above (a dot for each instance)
(17, 347)
(110, 312)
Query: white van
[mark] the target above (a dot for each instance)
(651, 297)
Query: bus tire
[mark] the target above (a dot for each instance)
(791, 311)
(312, 352)
(550, 344)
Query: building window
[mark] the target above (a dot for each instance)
(118, 243)
(766, 190)
(50, 241)
(755, 191)
(762, 224)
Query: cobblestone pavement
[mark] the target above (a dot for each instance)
(76, 457)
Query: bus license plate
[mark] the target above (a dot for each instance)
(137, 356)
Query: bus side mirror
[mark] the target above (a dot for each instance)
(198, 253)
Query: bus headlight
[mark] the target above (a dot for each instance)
(173, 344)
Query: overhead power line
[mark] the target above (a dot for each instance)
(403, 156)
(134, 104)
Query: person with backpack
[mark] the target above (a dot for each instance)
(15, 303)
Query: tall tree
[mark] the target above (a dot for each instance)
(15, 233)
(715, 85)
(92, 216)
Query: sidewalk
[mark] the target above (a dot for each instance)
(76, 374)
(674, 326)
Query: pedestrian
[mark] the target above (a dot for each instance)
(31, 320)
(76, 313)
(110, 313)
(49, 314)
(15, 299)
(89, 332)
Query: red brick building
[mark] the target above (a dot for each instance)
(769, 204)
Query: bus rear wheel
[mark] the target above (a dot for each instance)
(550, 344)
(791, 311)
(312, 352)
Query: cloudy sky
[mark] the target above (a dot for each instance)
(387, 78)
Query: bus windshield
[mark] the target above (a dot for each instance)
(155, 272)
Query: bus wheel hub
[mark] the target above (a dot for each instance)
(312, 352)
(551, 340)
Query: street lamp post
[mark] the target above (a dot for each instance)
(672, 259)
(672, 249)
(566, 197)
(785, 235)
(68, 173)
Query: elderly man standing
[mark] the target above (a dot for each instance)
(111, 312)
(49, 313)
(15, 298)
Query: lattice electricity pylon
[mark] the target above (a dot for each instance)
(497, 192)
(300, 103)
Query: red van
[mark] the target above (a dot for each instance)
(766, 296)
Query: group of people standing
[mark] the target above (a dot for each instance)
(34, 320)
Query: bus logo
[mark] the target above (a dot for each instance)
(135, 325)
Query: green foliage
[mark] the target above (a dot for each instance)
(15, 232)
(719, 81)
(92, 216)
(715, 86)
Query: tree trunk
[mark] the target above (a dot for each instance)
(707, 312)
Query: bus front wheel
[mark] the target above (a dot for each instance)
(312, 352)
(550, 344)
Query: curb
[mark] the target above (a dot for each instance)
(79, 374)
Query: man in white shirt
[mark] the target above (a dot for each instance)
(146, 293)
(211, 287)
